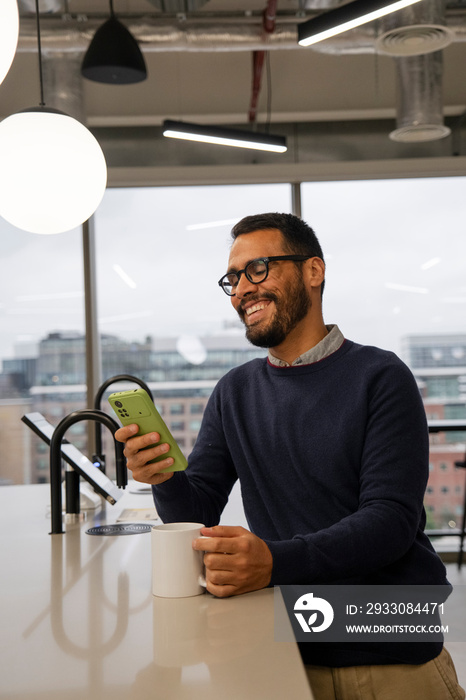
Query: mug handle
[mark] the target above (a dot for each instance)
(201, 580)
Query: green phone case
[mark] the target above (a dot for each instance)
(136, 406)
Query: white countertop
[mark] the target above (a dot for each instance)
(78, 619)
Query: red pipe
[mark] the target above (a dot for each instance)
(268, 25)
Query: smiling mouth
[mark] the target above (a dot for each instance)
(256, 307)
(252, 312)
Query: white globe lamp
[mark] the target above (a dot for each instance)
(53, 172)
(9, 32)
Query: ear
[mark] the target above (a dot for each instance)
(315, 272)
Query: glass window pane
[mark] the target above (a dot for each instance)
(41, 342)
(395, 279)
(395, 255)
(162, 316)
(161, 252)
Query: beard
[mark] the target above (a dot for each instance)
(289, 311)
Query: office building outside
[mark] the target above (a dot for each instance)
(181, 373)
(439, 365)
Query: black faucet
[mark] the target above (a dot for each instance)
(99, 457)
(72, 487)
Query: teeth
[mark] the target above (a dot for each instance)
(257, 307)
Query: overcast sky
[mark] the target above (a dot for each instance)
(395, 253)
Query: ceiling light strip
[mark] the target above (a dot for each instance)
(347, 17)
(224, 136)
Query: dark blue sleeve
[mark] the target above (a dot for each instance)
(201, 492)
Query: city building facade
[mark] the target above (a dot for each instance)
(439, 365)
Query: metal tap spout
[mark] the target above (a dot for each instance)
(100, 457)
(55, 458)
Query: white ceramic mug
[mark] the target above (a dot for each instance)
(177, 569)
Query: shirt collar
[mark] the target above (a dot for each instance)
(328, 345)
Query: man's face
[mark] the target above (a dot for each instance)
(271, 309)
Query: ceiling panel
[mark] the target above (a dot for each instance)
(347, 81)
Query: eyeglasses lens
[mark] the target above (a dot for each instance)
(256, 271)
(228, 283)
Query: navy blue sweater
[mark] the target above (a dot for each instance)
(332, 458)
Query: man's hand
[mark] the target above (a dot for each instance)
(137, 457)
(236, 560)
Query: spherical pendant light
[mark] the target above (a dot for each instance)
(9, 31)
(52, 171)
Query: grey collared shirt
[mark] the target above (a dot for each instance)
(332, 341)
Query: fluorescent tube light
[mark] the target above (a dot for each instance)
(346, 17)
(224, 136)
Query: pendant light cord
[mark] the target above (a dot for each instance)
(112, 13)
(41, 80)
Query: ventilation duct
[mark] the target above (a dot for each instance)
(414, 37)
(44, 5)
(415, 30)
(67, 33)
(321, 4)
(419, 99)
(178, 6)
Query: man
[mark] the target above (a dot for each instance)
(329, 441)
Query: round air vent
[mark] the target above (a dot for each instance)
(414, 40)
(416, 133)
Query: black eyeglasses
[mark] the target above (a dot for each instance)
(256, 271)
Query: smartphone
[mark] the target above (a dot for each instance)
(136, 406)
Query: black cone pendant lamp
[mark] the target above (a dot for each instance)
(114, 55)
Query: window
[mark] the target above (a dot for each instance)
(157, 267)
(176, 409)
(160, 252)
(387, 275)
(42, 315)
(391, 284)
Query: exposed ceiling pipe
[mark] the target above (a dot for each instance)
(178, 5)
(67, 33)
(44, 5)
(258, 57)
(71, 34)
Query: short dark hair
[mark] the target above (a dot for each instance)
(299, 237)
